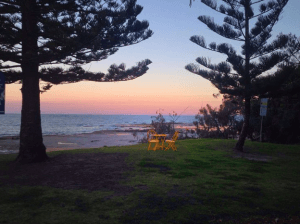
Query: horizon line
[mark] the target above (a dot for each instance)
(98, 114)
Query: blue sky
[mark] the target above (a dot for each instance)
(174, 22)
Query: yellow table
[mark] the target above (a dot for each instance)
(161, 138)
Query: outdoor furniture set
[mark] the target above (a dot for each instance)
(159, 140)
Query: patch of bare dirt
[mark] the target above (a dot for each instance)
(88, 171)
(248, 154)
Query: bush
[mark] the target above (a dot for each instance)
(218, 123)
(160, 125)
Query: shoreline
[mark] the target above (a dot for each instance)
(143, 128)
(16, 137)
(96, 139)
(9, 145)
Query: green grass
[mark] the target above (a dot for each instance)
(200, 183)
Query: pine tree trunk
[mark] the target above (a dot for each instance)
(32, 148)
(240, 144)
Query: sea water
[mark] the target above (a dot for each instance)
(68, 124)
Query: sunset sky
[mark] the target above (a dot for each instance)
(167, 85)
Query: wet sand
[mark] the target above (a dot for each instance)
(79, 141)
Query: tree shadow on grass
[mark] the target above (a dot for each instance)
(84, 171)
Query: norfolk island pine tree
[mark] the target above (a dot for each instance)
(240, 74)
(36, 33)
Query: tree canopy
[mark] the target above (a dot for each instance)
(242, 73)
(73, 33)
(38, 36)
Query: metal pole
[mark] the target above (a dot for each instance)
(262, 117)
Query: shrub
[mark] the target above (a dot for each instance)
(160, 125)
(218, 123)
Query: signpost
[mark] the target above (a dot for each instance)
(2, 93)
(263, 112)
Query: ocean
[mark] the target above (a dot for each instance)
(68, 124)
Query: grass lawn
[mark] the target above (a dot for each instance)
(203, 182)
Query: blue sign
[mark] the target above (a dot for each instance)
(2, 93)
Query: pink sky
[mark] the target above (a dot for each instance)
(132, 97)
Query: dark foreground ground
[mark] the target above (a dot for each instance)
(201, 183)
(85, 171)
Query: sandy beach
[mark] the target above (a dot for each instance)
(79, 141)
(96, 139)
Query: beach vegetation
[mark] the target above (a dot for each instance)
(160, 125)
(51, 41)
(250, 24)
(219, 122)
(203, 182)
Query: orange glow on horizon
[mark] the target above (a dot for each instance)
(135, 97)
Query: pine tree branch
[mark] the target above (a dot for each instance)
(8, 9)
(222, 9)
(260, 39)
(221, 48)
(279, 43)
(10, 56)
(233, 3)
(267, 63)
(10, 66)
(225, 30)
(284, 82)
(286, 43)
(264, 54)
(8, 3)
(57, 75)
(222, 67)
(293, 54)
(238, 18)
(268, 20)
(216, 77)
(261, 13)
(253, 3)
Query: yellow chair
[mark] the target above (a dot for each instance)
(151, 139)
(171, 143)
